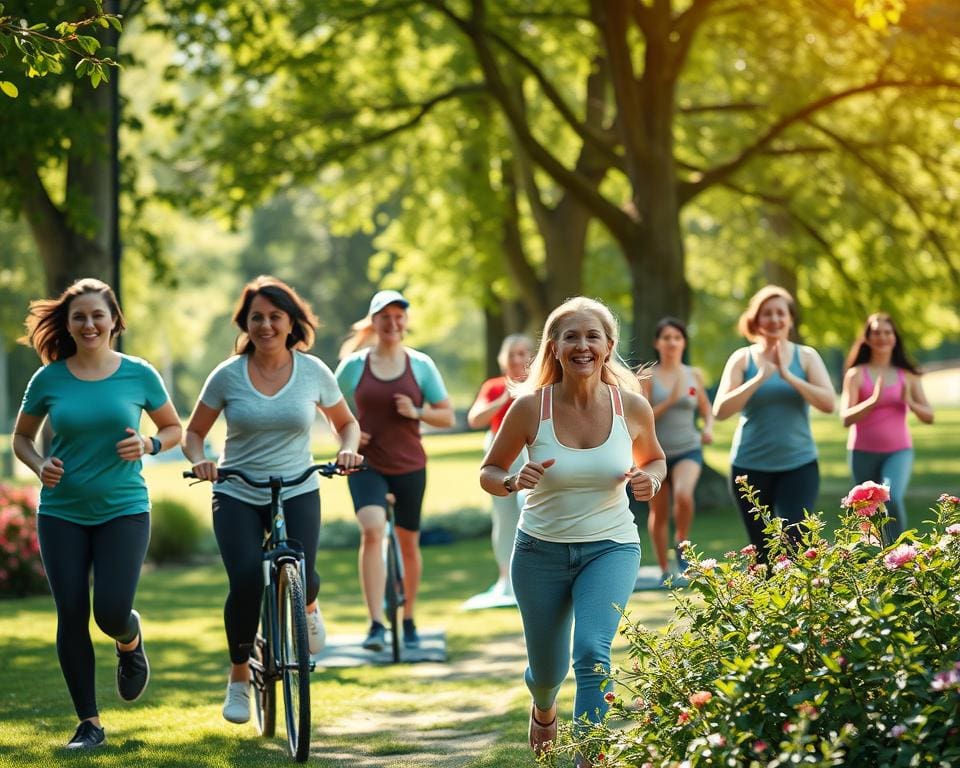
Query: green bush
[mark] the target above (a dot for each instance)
(839, 653)
(21, 571)
(175, 533)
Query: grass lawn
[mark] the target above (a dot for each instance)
(468, 713)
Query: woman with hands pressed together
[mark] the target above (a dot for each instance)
(394, 388)
(94, 513)
(587, 431)
(880, 386)
(269, 393)
(772, 383)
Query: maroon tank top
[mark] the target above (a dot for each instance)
(395, 447)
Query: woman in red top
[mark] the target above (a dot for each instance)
(488, 410)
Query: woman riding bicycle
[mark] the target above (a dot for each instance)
(394, 389)
(268, 392)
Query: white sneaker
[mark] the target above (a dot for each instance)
(236, 707)
(316, 631)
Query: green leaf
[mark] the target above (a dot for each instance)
(9, 88)
(115, 23)
(88, 43)
(96, 77)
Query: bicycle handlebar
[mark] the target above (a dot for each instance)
(329, 469)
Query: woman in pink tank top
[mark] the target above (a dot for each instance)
(880, 386)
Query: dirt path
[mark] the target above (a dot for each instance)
(383, 713)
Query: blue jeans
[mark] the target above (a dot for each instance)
(560, 587)
(890, 469)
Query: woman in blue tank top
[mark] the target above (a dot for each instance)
(772, 383)
(577, 549)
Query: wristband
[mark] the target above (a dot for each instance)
(155, 445)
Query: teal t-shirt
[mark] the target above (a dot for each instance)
(88, 419)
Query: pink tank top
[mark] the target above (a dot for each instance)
(884, 429)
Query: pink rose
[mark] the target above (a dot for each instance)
(866, 498)
(905, 553)
(700, 699)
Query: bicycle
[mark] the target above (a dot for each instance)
(394, 596)
(281, 649)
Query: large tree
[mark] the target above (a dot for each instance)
(797, 138)
(56, 157)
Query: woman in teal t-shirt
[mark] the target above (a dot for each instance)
(94, 513)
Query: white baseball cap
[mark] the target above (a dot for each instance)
(382, 298)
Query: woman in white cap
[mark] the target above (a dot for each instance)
(394, 388)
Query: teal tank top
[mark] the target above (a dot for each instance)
(773, 434)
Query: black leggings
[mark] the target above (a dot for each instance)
(239, 528)
(786, 494)
(114, 551)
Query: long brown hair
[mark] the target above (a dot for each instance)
(283, 297)
(46, 320)
(860, 351)
(545, 368)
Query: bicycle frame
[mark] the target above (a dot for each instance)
(283, 601)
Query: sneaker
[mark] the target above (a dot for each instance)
(682, 563)
(133, 669)
(316, 631)
(87, 736)
(376, 638)
(410, 637)
(665, 578)
(236, 706)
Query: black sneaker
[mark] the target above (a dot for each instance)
(87, 736)
(133, 669)
(410, 637)
(376, 638)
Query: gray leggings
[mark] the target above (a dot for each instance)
(114, 552)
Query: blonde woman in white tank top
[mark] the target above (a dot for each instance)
(589, 433)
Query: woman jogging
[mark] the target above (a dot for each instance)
(269, 392)
(677, 393)
(394, 388)
(94, 513)
(577, 549)
(880, 385)
(492, 403)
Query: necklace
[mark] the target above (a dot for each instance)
(276, 372)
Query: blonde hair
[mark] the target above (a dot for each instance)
(361, 336)
(545, 368)
(508, 343)
(747, 324)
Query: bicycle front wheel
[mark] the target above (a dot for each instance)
(295, 661)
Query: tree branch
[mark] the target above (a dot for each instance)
(723, 172)
(854, 290)
(584, 130)
(890, 182)
(616, 220)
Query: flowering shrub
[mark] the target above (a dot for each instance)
(21, 572)
(839, 653)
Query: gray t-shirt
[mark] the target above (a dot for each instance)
(269, 434)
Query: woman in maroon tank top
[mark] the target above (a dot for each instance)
(394, 388)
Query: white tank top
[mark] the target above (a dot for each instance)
(582, 496)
